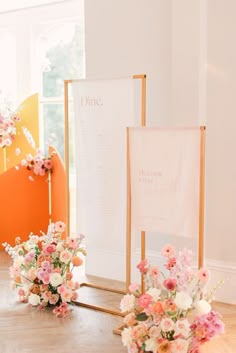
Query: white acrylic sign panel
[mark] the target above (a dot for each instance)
(103, 109)
(165, 177)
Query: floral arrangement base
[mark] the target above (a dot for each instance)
(42, 269)
(174, 314)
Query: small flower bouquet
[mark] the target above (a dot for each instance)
(174, 314)
(42, 269)
(39, 164)
(8, 121)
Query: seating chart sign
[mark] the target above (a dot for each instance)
(103, 109)
(165, 180)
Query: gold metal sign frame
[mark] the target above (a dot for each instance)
(142, 77)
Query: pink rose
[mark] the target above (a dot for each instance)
(145, 300)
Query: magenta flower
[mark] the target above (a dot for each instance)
(170, 283)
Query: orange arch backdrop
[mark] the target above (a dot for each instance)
(25, 204)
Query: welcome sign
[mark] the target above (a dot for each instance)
(165, 179)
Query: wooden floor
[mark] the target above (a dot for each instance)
(26, 330)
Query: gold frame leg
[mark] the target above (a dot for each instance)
(98, 307)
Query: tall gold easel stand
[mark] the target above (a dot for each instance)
(128, 240)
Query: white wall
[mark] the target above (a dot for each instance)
(129, 37)
(221, 140)
(186, 48)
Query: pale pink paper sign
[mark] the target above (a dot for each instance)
(165, 176)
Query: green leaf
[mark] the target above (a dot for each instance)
(141, 317)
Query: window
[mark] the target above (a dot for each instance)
(62, 57)
(42, 47)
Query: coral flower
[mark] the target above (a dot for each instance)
(76, 261)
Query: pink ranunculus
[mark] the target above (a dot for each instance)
(170, 283)
(167, 325)
(139, 331)
(49, 249)
(143, 266)
(145, 300)
(54, 299)
(61, 289)
(133, 287)
(65, 256)
(66, 295)
(168, 251)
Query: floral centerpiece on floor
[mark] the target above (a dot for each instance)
(42, 269)
(174, 314)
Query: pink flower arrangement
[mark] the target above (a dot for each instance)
(42, 269)
(8, 128)
(174, 314)
(39, 164)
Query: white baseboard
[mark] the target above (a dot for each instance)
(112, 265)
(225, 271)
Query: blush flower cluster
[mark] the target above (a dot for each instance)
(174, 313)
(42, 269)
(8, 128)
(38, 164)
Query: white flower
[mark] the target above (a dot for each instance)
(34, 299)
(55, 279)
(182, 327)
(127, 303)
(155, 293)
(202, 307)
(65, 256)
(179, 345)
(154, 331)
(126, 336)
(18, 261)
(183, 300)
(167, 325)
(60, 247)
(151, 345)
